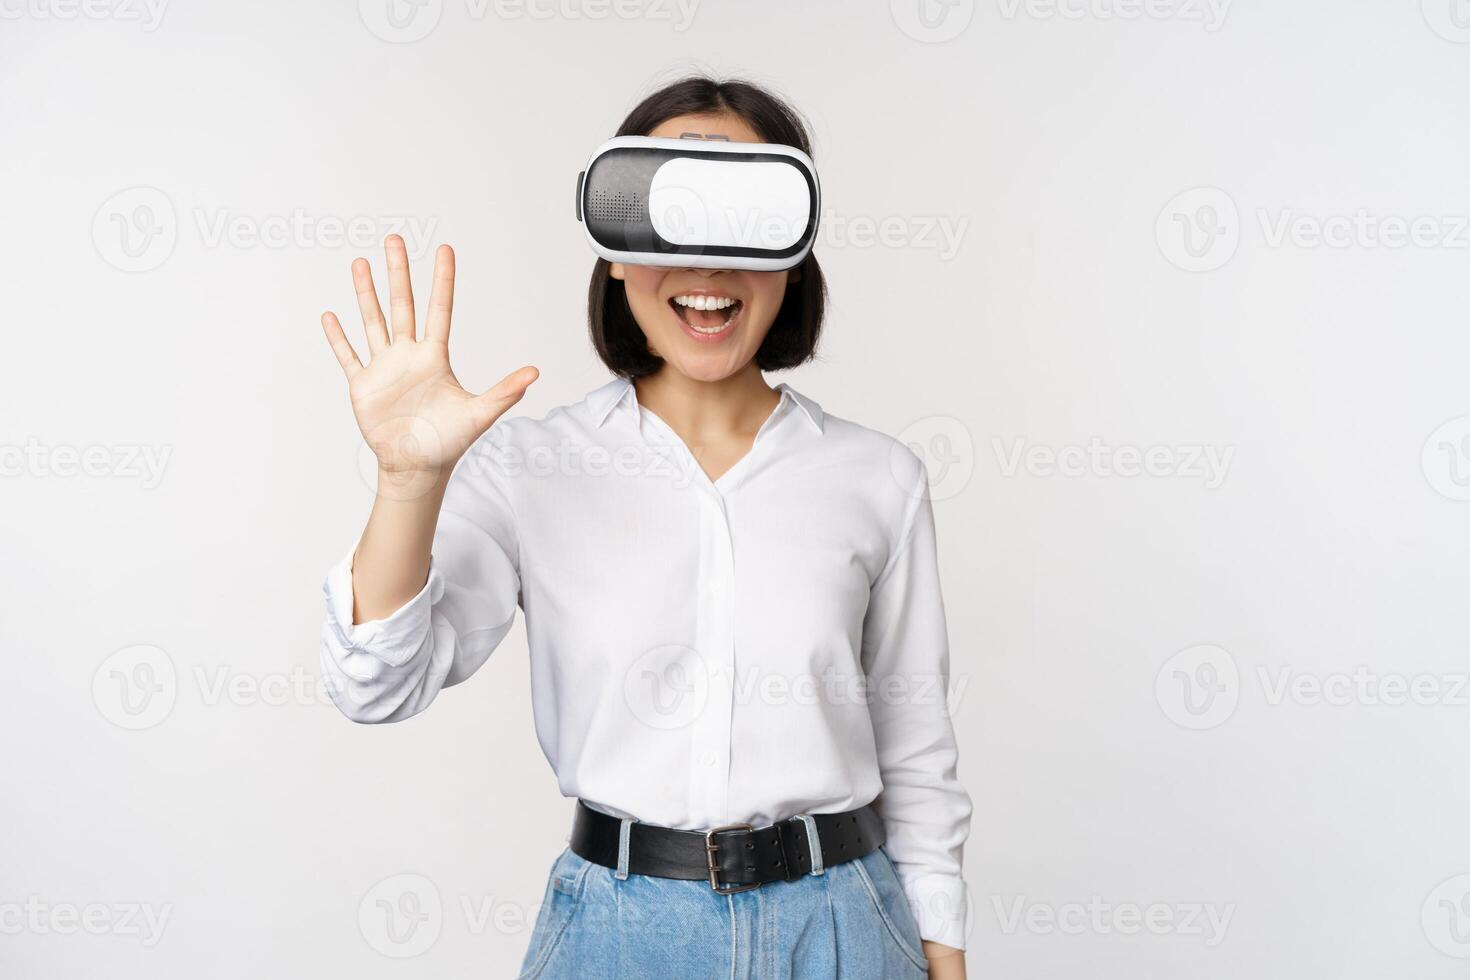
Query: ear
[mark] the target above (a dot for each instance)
(793, 275)
(615, 269)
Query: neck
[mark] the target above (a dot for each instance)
(734, 405)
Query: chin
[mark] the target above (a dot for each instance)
(706, 368)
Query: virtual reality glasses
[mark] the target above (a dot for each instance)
(703, 204)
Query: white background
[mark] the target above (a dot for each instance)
(1130, 191)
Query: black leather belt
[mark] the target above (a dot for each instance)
(733, 858)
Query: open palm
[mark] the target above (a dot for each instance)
(412, 410)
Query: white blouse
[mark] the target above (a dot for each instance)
(702, 653)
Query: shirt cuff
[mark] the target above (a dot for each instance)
(392, 640)
(940, 907)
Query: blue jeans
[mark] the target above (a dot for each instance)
(851, 922)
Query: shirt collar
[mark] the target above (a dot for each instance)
(620, 394)
(809, 408)
(602, 401)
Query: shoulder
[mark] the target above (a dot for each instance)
(868, 452)
(863, 473)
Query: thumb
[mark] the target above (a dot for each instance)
(509, 390)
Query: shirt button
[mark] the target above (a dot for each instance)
(706, 758)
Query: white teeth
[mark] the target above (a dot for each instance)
(699, 301)
(702, 302)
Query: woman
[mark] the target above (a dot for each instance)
(738, 650)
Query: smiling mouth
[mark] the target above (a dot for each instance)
(706, 314)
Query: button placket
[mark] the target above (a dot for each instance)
(715, 640)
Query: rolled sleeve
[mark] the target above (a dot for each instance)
(392, 640)
(939, 905)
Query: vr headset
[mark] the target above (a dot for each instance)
(703, 204)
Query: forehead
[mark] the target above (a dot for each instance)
(708, 124)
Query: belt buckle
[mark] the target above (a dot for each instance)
(711, 849)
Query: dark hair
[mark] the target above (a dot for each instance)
(792, 338)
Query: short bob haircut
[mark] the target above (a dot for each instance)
(792, 339)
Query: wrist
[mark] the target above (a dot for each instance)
(945, 962)
(423, 484)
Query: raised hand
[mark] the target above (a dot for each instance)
(415, 415)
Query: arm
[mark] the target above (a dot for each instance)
(926, 811)
(400, 624)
